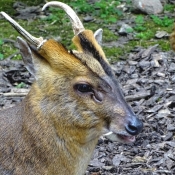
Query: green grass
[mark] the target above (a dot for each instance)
(1, 50)
(57, 26)
(168, 7)
(163, 22)
(7, 5)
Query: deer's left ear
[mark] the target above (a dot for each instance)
(98, 36)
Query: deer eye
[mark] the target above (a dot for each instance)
(83, 88)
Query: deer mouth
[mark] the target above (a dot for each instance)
(126, 138)
(122, 137)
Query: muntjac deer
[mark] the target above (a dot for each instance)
(54, 130)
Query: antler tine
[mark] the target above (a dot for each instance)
(33, 40)
(76, 23)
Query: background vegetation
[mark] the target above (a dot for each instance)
(106, 15)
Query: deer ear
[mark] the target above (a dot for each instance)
(32, 59)
(98, 36)
(26, 54)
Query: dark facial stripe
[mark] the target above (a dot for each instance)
(89, 48)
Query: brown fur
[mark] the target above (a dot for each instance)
(55, 129)
(88, 34)
(172, 39)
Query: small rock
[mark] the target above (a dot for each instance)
(173, 78)
(132, 63)
(155, 109)
(96, 163)
(164, 112)
(148, 6)
(125, 29)
(134, 76)
(172, 67)
(118, 158)
(143, 64)
(155, 63)
(107, 167)
(161, 34)
(171, 127)
(149, 51)
(160, 74)
(122, 7)
(88, 19)
(138, 159)
(169, 163)
(168, 136)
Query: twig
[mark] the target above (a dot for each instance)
(14, 94)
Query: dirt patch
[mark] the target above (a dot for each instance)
(147, 79)
(148, 82)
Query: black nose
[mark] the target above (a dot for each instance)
(134, 127)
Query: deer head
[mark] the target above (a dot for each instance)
(78, 89)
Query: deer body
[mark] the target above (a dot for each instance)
(39, 148)
(74, 98)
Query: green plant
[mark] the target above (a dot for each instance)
(1, 55)
(146, 30)
(108, 35)
(164, 22)
(139, 27)
(57, 15)
(56, 25)
(6, 5)
(128, 2)
(105, 10)
(106, 7)
(20, 85)
(145, 35)
(169, 7)
(139, 20)
(129, 30)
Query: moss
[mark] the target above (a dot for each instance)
(113, 54)
(57, 26)
(7, 5)
(169, 7)
(109, 36)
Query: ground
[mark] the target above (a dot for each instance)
(147, 76)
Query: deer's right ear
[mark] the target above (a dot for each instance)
(27, 55)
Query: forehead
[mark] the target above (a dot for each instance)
(86, 43)
(91, 64)
(68, 62)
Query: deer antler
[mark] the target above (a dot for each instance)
(76, 23)
(33, 40)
